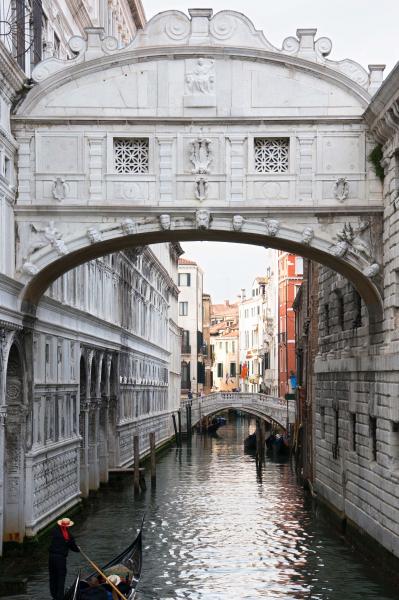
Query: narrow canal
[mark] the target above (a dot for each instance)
(216, 529)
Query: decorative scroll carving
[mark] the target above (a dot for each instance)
(203, 218)
(272, 227)
(307, 236)
(202, 79)
(48, 235)
(59, 189)
(238, 222)
(341, 189)
(165, 222)
(201, 188)
(201, 155)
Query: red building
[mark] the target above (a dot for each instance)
(290, 275)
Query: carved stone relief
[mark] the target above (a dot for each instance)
(201, 188)
(341, 189)
(272, 227)
(238, 222)
(165, 222)
(201, 155)
(202, 218)
(59, 189)
(307, 236)
(94, 235)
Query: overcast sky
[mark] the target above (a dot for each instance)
(364, 30)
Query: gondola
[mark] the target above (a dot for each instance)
(131, 558)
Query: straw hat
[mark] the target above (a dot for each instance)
(115, 579)
(65, 522)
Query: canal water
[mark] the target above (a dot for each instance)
(218, 529)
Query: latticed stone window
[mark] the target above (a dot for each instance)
(131, 155)
(271, 155)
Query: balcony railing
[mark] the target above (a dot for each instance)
(185, 349)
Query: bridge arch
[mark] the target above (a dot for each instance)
(253, 231)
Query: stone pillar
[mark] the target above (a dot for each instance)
(84, 449)
(167, 187)
(94, 427)
(305, 161)
(96, 152)
(237, 167)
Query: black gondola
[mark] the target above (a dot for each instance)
(131, 558)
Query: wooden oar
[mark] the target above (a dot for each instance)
(102, 574)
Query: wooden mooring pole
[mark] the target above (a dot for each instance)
(179, 421)
(175, 428)
(153, 462)
(258, 441)
(136, 474)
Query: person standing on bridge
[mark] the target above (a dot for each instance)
(61, 542)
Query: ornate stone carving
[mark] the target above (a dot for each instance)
(341, 189)
(94, 235)
(372, 270)
(307, 236)
(350, 238)
(129, 227)
(201, 80)
(201, 155)
(48, 235)
(3, 415)
(272, 227)
(238, 222)
(203, 218)
(165, 222)
(59, 189)
(29, 268)
(201, 188)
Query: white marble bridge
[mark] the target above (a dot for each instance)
(270, 408)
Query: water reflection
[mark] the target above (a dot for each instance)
(219, 528)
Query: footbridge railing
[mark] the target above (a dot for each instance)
(277, 410)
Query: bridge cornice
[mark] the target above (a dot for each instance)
(64, 72)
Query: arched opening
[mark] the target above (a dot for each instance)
(112, 412)
(14, 455)
(103, 423)
(93, 425)
(83, 427)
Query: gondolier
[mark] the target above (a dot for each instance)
(61, 542)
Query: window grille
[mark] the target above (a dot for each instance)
(131, 155)
(271, 155)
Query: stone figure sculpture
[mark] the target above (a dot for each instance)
(372, 270)
(94, 235)
(307, 236)
(238, 222)
(165, 222)
(201, 80)
(350, 238)
(202, 218)
(48, 235)
(272, 227)
(129, 227)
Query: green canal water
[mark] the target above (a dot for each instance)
(217, 529)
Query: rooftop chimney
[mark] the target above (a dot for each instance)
(227, 303)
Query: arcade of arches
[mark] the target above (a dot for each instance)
(200, 129)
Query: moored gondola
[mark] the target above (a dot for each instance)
(127, 565)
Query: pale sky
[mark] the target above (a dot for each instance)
(364, 30)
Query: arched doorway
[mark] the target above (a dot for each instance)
(15, 433)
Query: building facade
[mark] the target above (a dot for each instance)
(206, 324)
(100, 362)
(257, 336)
(190, 317)
(306, 307)
(290, 272)
(224, 333)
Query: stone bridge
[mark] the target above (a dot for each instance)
(274, 410)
